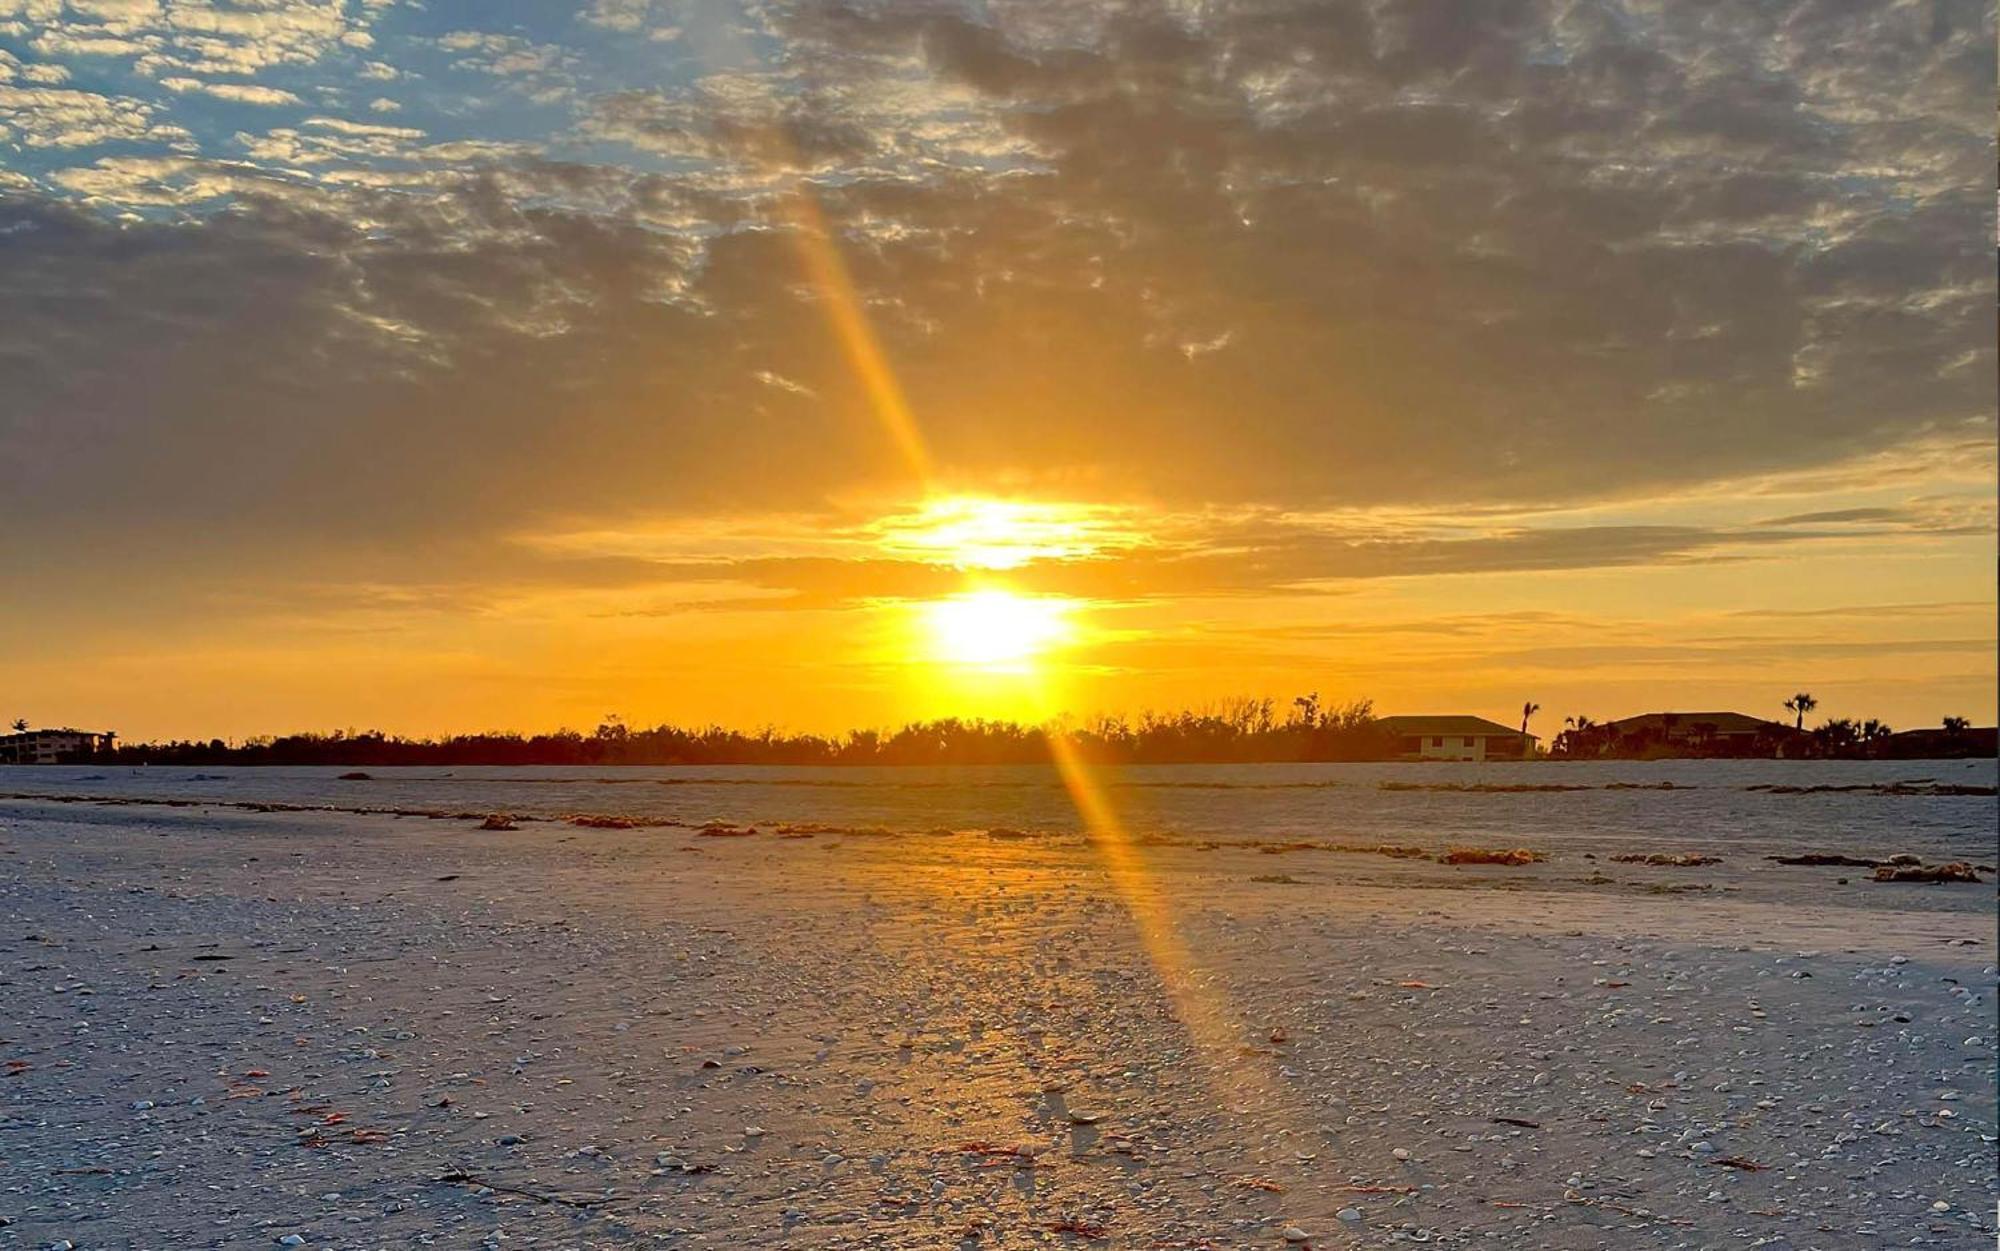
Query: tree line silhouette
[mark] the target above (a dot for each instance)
(1837, 738)
(1242, 730)
(1236, 730)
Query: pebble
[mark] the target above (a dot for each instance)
(1350, 1215)
(1294, 1234)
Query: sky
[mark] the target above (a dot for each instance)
(459, 365)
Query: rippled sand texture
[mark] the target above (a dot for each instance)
(233, 1028)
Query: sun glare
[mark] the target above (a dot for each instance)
(974, 532)
(995, 630)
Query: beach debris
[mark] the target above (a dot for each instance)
(1877, 788)
(1591, 1201)
(1491, 855)
(458, 1177)
(355, 775)
(498, 821)
(1487, 788)
(1082, 1228)
(1955, 871)
(598, 821)
(1739, 1163)
(1828, 858)
(1670, 859)
(999, 1151)
(1259, 1183)
(1278, 879)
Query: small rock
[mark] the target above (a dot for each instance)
(1294, 1234)
(1350, 1215)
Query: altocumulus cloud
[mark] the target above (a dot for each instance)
(1403, 254)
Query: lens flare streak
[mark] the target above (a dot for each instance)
(1237, 1082)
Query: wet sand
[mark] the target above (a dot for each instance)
(224, 1028)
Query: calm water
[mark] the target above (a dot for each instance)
(1712, 803)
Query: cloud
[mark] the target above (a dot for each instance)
(544, 72)
(63, 117)
(236, 93)
(13, 69)
(1136, 554)
(165, 38)
(1395, 256)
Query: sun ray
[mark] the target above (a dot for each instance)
(827, 270)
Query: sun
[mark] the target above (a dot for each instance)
(996, 630)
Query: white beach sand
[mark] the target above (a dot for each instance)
(226, 1029)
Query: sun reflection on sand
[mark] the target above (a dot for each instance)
(987, 629)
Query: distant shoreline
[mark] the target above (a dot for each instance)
(366, 764)
(1243, 731)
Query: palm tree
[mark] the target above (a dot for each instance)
(20, 725)
(1956, 725)
(1528, 710)
(1801, 704)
